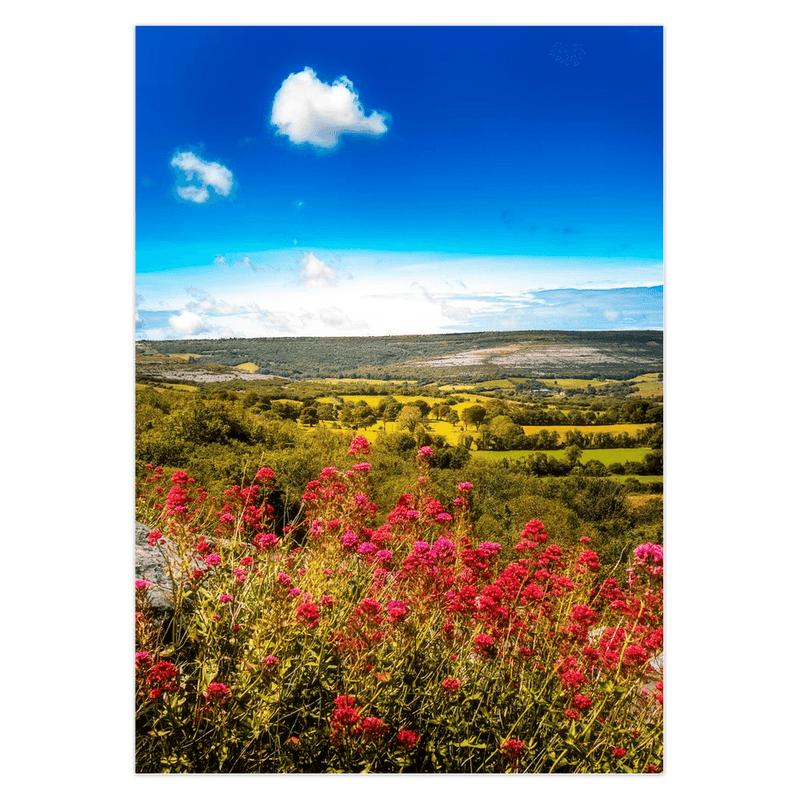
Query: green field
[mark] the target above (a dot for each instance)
(606, 457)
(562, 429)
(648, 385)
(181, 387)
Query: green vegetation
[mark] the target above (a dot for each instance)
(251, 677)
(218, 434)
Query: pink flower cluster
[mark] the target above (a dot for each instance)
(359, 445)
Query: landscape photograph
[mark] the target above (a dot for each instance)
(399, 400)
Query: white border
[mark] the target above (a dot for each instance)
(68, 144)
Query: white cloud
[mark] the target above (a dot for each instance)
(308, 111)
(205, 303)
(187, 323)
(220, 261)
(205, 174)
(316, 272)
(448, 310)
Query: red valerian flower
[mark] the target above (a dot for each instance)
(143, 659)
(359, 445)
(179, 477)
(142, 585)
(153, 537)
(407, 739)
(451, 685)
(217, 692)
(346, 719)
(618, 752)
(225, 598)
(636, 655)
(163, 678)
(582, 614)
(397, 610)
(374, 729)
(589, 559)
(265, 474)
(572, 678)
(308, 613)
(265, 540)
(512, 749)
(582, 702)
(484, 644)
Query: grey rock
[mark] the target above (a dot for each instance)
(151, 566)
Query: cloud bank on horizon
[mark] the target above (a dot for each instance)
(542, 215)
(383, 294)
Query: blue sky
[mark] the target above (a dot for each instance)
(392, 180)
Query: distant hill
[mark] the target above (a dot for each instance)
(619, 355)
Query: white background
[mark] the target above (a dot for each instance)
(68, 302)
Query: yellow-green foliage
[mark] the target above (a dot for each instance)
(577, 383)
(248, 366)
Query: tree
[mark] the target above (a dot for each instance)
(473, 415)
(503, 430)
(409, 418)
(389, 408)
(308, 416)
(573, 454)
(423, 406)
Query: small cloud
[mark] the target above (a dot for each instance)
(187, 323)
(205, 303)
(611, 316)
(205, 174)
(308, 111)
(316, 272)
(245, 261)
(448, 311)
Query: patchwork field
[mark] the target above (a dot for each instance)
(561, 430)
(610, 456)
